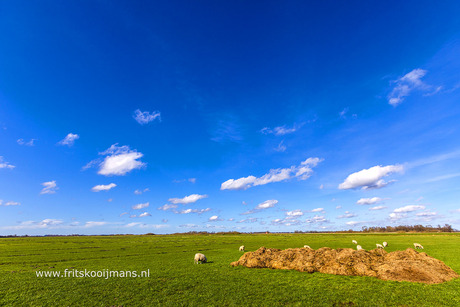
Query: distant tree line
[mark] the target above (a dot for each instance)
(409, 228)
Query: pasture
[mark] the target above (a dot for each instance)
(176, 281)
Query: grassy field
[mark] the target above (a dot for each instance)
(175, 280)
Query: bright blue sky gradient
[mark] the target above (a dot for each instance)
(234, 89)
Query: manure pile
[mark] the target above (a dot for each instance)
(407, 265)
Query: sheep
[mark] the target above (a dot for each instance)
(385, 244)
(200, 258)
(306, 246)
(379, 245)
(354, 241)
(358, 247)
(241, 248)
(417, 245)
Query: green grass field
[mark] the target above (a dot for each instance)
(175, 280)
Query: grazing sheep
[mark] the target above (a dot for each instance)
(417, 245)
(379, 245)
(354, 241)
(385, 244)
(200, 258)
(306, 246)
(241, 248)
(358, 247)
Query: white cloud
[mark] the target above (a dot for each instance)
(377, 208)
(396, 216)
(102, 187)
(29, 143)
(354, 223)
(167, 207)
(297, 212)
(119, 161)
(139, 192)
(143, 225)
(370, 178)
(50, 187)
(318, 210)
(301, 172)
(46, 223)
(427, 214)
(338, 207)
(146, 117)
(280, 130)
(187, 199)
(198, 211)
(94, 224)
(369, 201)
(347, 215)
(141, 206)
(4, 164)
(213, 218)
(9, 203)
(409, 208)
(69, 140)
(144, 214)
(281, 147)
(317, 219)
(405, 85)
(267, 204)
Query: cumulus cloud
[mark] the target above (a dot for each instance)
(4, 164)
(144, 214)
(50, 187)
(102, 187)
(377, 208)
(119, 161)
(214, 218)
(29, 143)
(370, 178)
(146, 117)
(141, 206)
(69, 140)
(187, 199)
(405, 85)
(295, 213)
(167, 207)
(262, 206)
(301, 172)
(369, 201)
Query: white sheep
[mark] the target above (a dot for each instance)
(354, 241)
(241, 248)
(306, 246)
(358, 247)
(385, 244)
(417, 245)
(379, 245)
(200, 258)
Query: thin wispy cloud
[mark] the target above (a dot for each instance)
(141, 206)
(198, 211)
(50, 187)
(281, 130)
(4, 164)
(404, 85)
(146, 117)
(29, 143)
(102, 187)
(9, 203)
(370, 178)
(377, 208)
(69, 140)
(369, 201)
(139, 192)
(145, 214)
(167, 207)
(301, 172)
(262, 206)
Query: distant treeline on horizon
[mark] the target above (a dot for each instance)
(364, 229)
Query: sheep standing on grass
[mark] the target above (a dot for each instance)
(417, 245)
(358, 247)
(354, 241)
(379, 245)
(385, 244)
(200, 258)
(241, 248)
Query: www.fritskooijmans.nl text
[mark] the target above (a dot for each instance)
(95, 274)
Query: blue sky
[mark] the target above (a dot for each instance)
(121, 117)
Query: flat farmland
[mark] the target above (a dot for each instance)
(174, 279)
